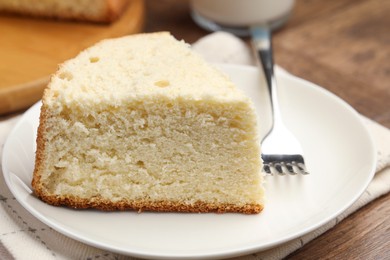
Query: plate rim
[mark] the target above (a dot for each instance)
(242, 250)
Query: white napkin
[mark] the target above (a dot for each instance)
(24, 237)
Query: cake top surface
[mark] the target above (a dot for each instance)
(136, 67)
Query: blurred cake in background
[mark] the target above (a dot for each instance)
(79, 10)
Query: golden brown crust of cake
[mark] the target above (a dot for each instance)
(40, 153)
(145, 205)
(113, 9)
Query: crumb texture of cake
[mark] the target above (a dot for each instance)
(83, 10)
(141, 122)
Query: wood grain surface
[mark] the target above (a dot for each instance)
(343, 46)
(32, 48)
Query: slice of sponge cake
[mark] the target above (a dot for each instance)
(142, 122)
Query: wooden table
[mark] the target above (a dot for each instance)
(343, 46)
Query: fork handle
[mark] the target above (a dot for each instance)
(262, 45)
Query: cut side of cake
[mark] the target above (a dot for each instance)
(141, 122)
(80, 10)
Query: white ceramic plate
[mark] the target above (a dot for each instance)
(339, 154)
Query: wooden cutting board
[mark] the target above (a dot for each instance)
(32, 48)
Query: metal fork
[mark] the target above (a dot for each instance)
(281, 151)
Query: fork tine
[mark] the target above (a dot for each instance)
(279, 169)
(299, 167)
(267, 169)
(283, 168)
(302, 167)
(273, 169)
(290, 168)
